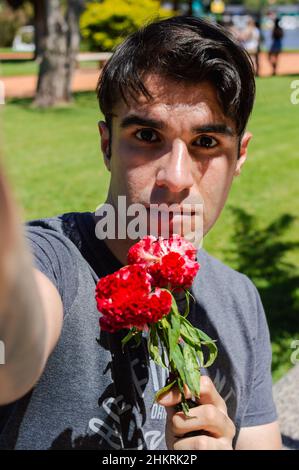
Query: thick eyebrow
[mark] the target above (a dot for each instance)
(135, 120)
(215, 128)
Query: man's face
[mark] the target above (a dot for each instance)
(178, 148)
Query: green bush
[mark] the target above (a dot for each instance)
(10, 22)
(104, 25)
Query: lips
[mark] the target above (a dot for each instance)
(181, 211)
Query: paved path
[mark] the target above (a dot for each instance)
(16, 55)
(24, 87)
(288, 63)
(286, 397)
(86, 79)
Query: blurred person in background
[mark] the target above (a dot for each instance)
(276, 45)
(251, 39)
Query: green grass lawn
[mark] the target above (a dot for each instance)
(9, 68)
(55, 161)
(55, 164)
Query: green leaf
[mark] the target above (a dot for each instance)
(191, 370)
(174, 306)
(197, 338)
(127, 338)
(187, 310)
(165, 389)
(164, 356)
(173, 333)
(138, 338)
(188, 334)
(165, 323)
(210, 344)
(213, 351)
(184, 403)
(200, 356)
(185, 408)
(153, 347)
(203, 336)
(178, 360)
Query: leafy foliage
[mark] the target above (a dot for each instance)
(183, 343)
(104, 25)
(10, 22)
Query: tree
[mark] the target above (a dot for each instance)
(59, 48)
(57, 39)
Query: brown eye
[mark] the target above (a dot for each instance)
(206, 142)
(147, 135)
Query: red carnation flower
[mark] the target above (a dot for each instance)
(125, 300)
(170, 262)
(131, 298)
(173, 272)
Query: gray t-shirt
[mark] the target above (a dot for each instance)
(91, 395)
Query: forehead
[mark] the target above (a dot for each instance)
(179, 99)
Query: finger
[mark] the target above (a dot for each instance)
(201, 443)
(209, 394)
(204, 417)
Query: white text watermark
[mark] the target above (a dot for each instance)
(295, 354)
(2, 92)
(134, 221)
(295, 94)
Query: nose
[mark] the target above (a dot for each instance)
(175, 171)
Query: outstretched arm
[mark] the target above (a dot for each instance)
(30, 307)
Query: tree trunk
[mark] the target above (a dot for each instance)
(61, 43)
(190, 8)
(40, 27)
(75, 8)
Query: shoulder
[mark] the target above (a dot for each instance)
(222, 276)
(61, 230)
(61, 224)
(229, 296)
(56, 253)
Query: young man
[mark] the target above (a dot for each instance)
(176, 97)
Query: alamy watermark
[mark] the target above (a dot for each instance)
(134, 221)
(2, 92)
(295, 354)
(295, 94)
(2, 353)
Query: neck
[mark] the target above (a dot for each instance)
(119, 247)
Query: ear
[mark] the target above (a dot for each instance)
(105, 142)
(243, 152)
